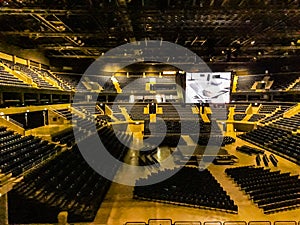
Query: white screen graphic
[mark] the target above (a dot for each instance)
(208, 87)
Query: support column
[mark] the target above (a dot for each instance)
(60, 98)
(1, 98)
(38, 98)
(22, 95)
(3, 210)
(51, 98)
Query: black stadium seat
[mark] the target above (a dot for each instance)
(271, 191)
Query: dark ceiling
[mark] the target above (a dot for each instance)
(226, 30)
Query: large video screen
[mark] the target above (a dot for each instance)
(211, 87)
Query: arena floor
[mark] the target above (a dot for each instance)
(119, 207)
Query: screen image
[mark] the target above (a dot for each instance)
(208, 87)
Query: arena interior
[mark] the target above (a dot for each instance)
(154, 112)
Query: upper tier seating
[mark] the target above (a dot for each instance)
(188, 187)
(62, 83)
(241, 108)
(267, 109)
(18, 153)
(69, 80)
(296, 87)
(239, 117)
(256, 117)
(246, 82)
(282, 81)
(8, 79)
(271, 191)
(138, 84)
(35, 77)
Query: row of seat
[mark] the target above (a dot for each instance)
(281, 81)
(245, 83)
(10, 80)
(240, 108)
(188, 187)
(249, 150)
(276, 115)
(282, 142)
(217, 140)
(292, 123)
(32, 74)
(19, 153)
(266, 160)
(267, 109)
(67, 183)
(66, 113)
(271, 191)
(256, 117)
(265, 135)
(239, 117)
(82, 127)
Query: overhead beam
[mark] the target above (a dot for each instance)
(96, 11)
(45, 12)
(245, 48)
(120, 59)
(54, 34)
(74, 56)
(73, 48)
(254, 48)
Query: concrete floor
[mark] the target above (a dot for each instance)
(119, 207)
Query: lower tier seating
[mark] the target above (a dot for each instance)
(292, 123)
(249, 150)
(20, 153)
(7, 79)
(203, 140)
(66, 113)
(241, 108)
(66, 183)
(256, 117)
(239, 117)
(267, 109)
(188, 187)
(278, 114)
(264, 135)
(271, 191)
(281, 142)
